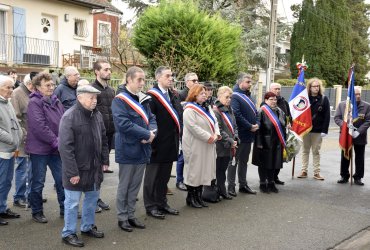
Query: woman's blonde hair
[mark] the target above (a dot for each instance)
(222, 90)
(313, 80)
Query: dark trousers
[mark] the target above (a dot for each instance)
(266, 174)
(180, 168)
(221, 167)
(276, 174)
(242, 157)
(359, 163)
(110, 141)
(156, 178)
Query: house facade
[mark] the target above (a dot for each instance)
(47, 33)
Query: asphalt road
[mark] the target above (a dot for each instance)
(305, 214)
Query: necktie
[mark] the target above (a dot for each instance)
(166, 96)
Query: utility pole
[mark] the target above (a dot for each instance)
(270, 74)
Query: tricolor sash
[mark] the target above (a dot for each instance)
(136, 106)
(247, 100)
(227, 119)
(203, 112)
(159, 95)
(276, 122)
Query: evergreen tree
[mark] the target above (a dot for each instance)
(178, 35)
(360, 41)
(322, 35)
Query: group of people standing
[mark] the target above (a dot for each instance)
(73, 128)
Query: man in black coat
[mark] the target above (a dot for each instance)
(165, 147)
(102, 70)
(84, 152)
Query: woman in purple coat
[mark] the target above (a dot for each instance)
(43, 115)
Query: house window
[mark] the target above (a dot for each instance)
(2, 22)
(104, 33)
(45, 23)
(81, 28)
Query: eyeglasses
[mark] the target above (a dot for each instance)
(194, 80)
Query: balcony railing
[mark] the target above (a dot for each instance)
(27, 50)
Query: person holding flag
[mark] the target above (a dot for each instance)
(269, 142)
(353, 117)
(320, 118)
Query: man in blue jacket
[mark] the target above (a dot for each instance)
(135, 128)
(245, 114)
(66, 90)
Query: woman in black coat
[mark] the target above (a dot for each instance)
(269, 142)
(226, 147)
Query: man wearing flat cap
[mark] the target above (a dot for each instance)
(83, 147)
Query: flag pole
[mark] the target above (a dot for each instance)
(293, 167)
(351, 163)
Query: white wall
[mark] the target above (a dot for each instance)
(64, 31)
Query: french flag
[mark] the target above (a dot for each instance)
(300, 106)
(349, 116)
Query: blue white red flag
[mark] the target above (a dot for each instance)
(349, 116)
(299, 104)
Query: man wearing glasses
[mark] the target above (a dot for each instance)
(190, 79)
(245, 112)
(10, 137)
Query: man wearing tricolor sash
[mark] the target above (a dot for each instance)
(270, 142)
(245, 112)
(165, 105)
(135, 128)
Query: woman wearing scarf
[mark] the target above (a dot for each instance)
(269, 142)
(200, 134)
(226, 147)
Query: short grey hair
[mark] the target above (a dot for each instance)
(359, 88)
(70, 70)
(159, 71)
(27, 80)
(188, 75)
(242, 76)
(5, 79)
(275, 84)
(223, 90)
(131, 72)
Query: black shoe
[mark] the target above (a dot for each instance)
(39, 217)
(169, 210)
(264, 189)
(20, 203)
(9, 214)
(125, 226)
(136, 223)
(44, 200)
(93, 232)
(156, 214)
(247, 190)
(181, 186)
(359, 182)
(3, 222)
(342, 180)
(103, 205)
(73, 240)
(226, 196)
(232, 192)
(279, 182)
(108, 171)
(272, 188)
